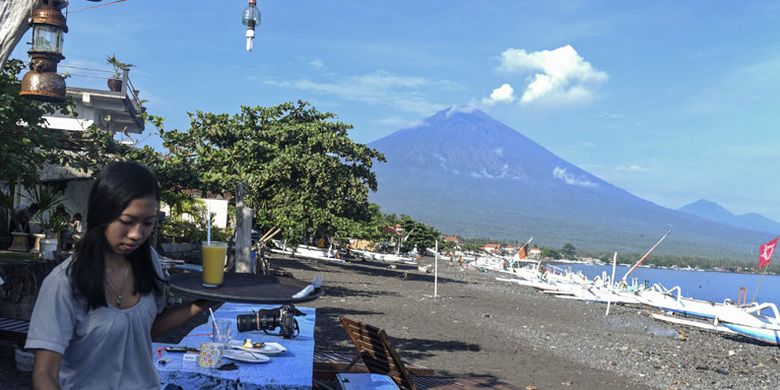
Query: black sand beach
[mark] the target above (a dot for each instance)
(482, 326)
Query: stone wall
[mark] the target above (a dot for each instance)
(22, 279)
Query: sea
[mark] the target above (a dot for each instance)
(708, 285)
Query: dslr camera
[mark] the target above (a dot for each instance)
(267, 320)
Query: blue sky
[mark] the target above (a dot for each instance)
(672, 101)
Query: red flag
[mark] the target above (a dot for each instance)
(765, 253)
(521, 253)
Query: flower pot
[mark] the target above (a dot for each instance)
(48, 246)
(37, 245)
(114, 85)
(19, 243)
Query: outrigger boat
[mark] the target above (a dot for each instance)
(672, 301)
(749, 322)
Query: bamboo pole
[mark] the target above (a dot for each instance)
(645, 256)
(612, 281)
(436, 271)
(758, 285)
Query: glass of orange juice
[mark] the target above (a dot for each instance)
(214, 255)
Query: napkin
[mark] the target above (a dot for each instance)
(315, 284)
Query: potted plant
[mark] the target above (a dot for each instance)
(47, 199)
(115, 83)
(53, 227)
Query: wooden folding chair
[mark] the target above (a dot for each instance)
(377, 353)
(380, 357)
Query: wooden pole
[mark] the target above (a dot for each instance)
(645, 256)
(758, 285)
(436, 271)
(612, 281)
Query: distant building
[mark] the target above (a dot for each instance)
(492, 248)
(534, 253)
(453, 239)
(119, 112)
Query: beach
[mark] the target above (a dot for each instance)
(480, 326)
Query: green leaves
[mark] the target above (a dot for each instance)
(26, 144)
(300, 169)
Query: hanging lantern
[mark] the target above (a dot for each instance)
(48, 24)
(250, 18)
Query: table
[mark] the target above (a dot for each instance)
(290, 370)
(243, 287)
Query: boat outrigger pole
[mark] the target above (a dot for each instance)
(623, 279)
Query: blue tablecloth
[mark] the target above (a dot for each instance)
(290, 370)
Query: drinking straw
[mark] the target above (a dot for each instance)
(214, 320)
(208, 224)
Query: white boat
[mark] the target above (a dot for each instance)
(306, 252)
(672, 300)
(386, 257)
(749, 322)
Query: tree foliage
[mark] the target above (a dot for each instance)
(26, 144)
(568, 251)
(299, 168)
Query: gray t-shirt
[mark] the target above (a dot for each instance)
(106, 348)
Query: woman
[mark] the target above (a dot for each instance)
(96, 313)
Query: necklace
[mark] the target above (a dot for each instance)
(117, 295)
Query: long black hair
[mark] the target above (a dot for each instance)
(117, 185)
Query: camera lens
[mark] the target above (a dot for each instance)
(246, 322)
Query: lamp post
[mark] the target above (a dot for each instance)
(42, 81)
(250, 18)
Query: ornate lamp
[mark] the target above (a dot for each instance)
(48, 24)
(250, 18)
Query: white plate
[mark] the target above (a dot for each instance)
(271, 348)
(245, 356)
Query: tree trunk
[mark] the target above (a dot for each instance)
(14, 22)
(243, 234)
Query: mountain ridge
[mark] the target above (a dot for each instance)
(469, 174)
(712, 211)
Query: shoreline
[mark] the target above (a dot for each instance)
(485, 327)
(512, 333)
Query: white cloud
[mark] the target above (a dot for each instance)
(565, 76)
(568, 178)
(503, 94)
(632, 168)
(609, 115)
(406, 93)
(317, 64)
(467, 108)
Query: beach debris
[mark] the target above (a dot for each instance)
(486, 315)
(530, 387)
(683, 335)
(732, 352)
